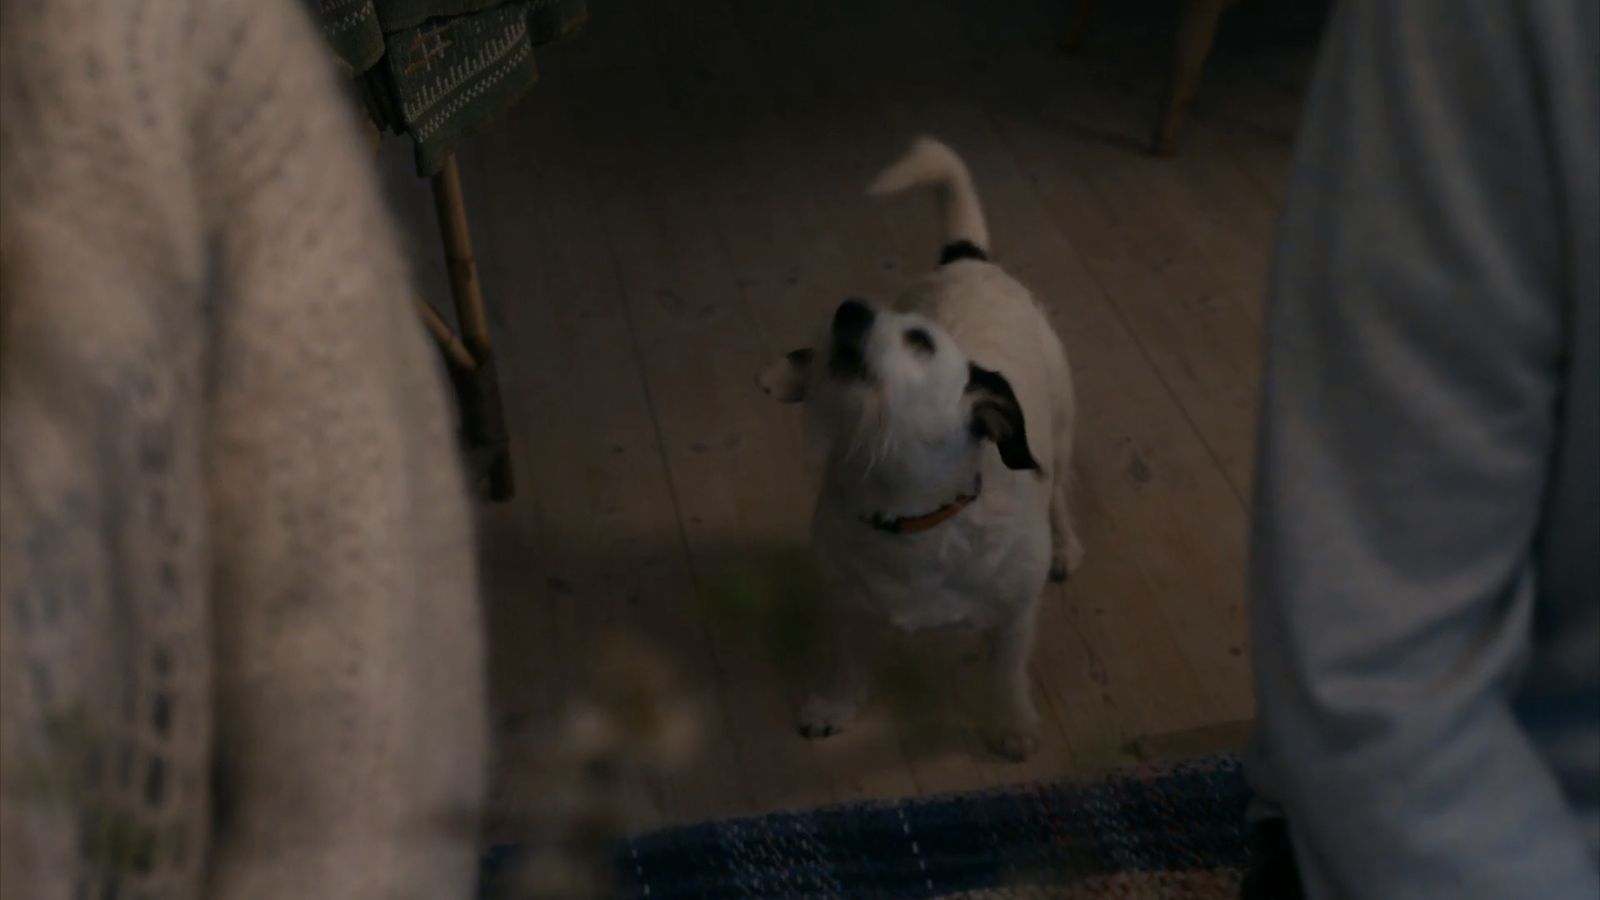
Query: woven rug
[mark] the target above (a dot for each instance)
(1159, 831)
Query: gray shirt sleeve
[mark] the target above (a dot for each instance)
(1412, 381)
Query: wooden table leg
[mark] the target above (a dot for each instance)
(477, 389)
(1196, 30)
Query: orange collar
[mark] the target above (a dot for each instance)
(926, 521)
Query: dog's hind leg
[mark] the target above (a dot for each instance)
(1066, 549)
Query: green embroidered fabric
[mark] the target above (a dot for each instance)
(436, 70)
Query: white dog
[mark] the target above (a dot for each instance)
(948, 425)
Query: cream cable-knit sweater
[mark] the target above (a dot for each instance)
(239, 643)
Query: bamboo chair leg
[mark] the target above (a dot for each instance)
(478, 389)
(455, 352)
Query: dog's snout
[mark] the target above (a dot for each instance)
(852, 320)
(847, 358)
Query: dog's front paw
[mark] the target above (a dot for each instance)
(1014, 734)
(1015, 743)
(821, 717)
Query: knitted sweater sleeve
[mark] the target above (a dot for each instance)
(1419, 314)
(350, 732)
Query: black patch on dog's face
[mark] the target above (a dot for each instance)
(958, 250)
(852, 323)
(997, 416)
(920, 341)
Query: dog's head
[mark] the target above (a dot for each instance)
(893, 389)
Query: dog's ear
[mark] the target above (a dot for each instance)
(997, 416)
(786, 379)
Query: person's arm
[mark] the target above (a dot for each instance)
(1411, 388)
(350, 704)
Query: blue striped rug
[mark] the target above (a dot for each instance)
(1174, 830)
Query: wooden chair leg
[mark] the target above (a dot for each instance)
(1197, 29)
(478, 389)
(1078, 25)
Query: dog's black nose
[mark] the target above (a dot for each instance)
(852, 320)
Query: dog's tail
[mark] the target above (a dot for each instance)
(931, 163)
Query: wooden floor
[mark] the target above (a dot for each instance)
(679, 200)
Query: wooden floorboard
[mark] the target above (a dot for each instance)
(789, 266)
(841, 140)
(592, 449)
(679, 200)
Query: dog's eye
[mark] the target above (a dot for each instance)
(919, 340)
